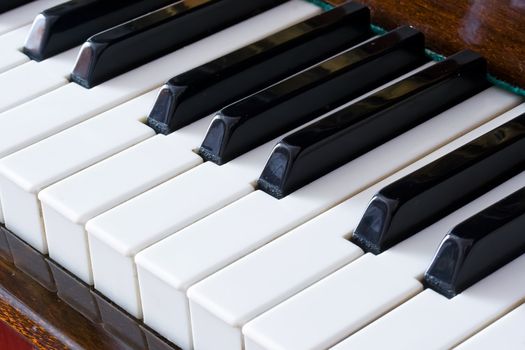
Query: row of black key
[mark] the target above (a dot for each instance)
(295, 101)
(199, 92)
(478, 246)
(469, 252)
(335, 140)
(497, 156)
(122, 35)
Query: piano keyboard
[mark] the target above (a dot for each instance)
(265, 174)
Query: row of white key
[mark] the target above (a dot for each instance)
(164, 210)
(176, 263)
(361, 292)
(72, 104)
(443, 323)
(68, 205)
(268, 276)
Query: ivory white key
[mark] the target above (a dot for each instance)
(11, 43)
(245, 225)
(114, 239)
(33, 79)
(24, 15)
(71, 104)
(216, 186)
(506, 332)
(431, 321)
(252, 285)
(43, 163)
(355, 288)
(292, 318)
(67, 206)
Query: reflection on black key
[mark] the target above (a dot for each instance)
(137, 42)
(299, 99)
(479, 246)
(70, 24)
(317, 149)
(206, 89)
(6, 5)
(419, 199)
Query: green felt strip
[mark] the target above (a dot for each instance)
(506, 86)
(325, 6)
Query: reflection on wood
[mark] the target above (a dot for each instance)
(493, 28)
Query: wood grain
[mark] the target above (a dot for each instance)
(493, 28)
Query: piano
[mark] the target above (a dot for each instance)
(265, 174)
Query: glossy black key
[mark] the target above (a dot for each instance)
(419, 199)
(6, 5)
(139, 41)
(479, 246)
(206, 89)
(325, 145)
(271, 112)
(70, 24)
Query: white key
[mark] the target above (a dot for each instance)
(71, 104)
(112, 229)
(65, 217)
(33, 79)
(431, 321)
(251, 294)
(11, 44)
(114, 237)
(295, 325)
(353, 288)
(70, 209)
(69, 204)
(506, 332)
(32, 169)
(24, 15)
(243, 226)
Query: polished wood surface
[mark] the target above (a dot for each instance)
(53, 310)
(493, 28)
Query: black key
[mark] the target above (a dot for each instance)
(206, 89)
(479, 246)
(421, 198)
(69, 24)
(6, 5)
(271, 112)
(144, 39)
(325, 145)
